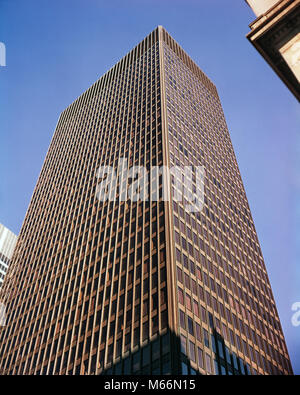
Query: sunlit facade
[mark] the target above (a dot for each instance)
(276, 36)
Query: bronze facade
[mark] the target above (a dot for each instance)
(140, 287)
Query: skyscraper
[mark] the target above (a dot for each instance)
(145, 286)
(7, 245)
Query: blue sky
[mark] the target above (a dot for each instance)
(57, 49)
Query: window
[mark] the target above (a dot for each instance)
(185, 261)
(220, 348)
(192, 351)
(179, 274)
(190, 326)
(180, 296)
(182, 319)
(206, 338)
(187, 281)
(208, 363)
(183, 344)
(198, 332)
(196, 308)
(200, 357)
(188, 302)
(203, 314)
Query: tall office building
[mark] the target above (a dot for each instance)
(141, 287)
(7, 245)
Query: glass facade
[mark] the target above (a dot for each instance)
(140, 287)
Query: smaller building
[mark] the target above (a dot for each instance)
(276, 36)
(7, 245)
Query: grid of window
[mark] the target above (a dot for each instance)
(224, 296)
(92, 285)
(121, 286)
